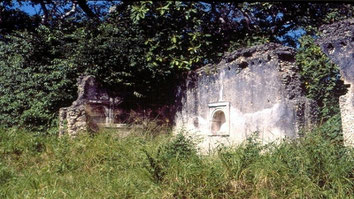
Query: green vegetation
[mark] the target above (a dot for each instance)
(157, 165)
(322, 83)
(139, 49)
(143, 49)
(321, 78)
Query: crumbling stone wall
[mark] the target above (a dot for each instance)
(93, 109)
(337, 41)
(257, 89)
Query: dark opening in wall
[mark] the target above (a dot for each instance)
(243, 65)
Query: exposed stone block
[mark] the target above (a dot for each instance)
(93, 109)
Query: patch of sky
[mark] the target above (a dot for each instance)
(27, 7)
(34, 9)
(279, 16)
(295, 35)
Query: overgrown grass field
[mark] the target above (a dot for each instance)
(148, 165)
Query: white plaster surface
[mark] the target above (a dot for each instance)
(242, 125)
(258, 94)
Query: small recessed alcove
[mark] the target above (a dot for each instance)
(219, 119)
(218, 122)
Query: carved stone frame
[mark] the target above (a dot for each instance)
(225, 108)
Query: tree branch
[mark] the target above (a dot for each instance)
(45, 12)
(70, 12)
(83, 5)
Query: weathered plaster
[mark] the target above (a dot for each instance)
(264, 91)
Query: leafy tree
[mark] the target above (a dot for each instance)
(139, 49)
(173, 34)
(34, 82)
(14, 19)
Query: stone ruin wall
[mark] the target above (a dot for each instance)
(258, 88)
(96, 108)
(251, 90)
(92, 110)
(337, 42)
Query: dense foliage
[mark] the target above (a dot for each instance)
(34, 82)
(139, 49)
(321, 78)
(159, 166)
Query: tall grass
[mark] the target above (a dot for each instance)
(158, 165)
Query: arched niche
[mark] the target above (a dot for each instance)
(218, 122)
(219, 119)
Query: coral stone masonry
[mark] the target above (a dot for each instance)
(93, 109)
(253, 90)
(337, 42)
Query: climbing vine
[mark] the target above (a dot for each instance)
(320, 77)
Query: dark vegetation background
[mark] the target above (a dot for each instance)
(142, 49)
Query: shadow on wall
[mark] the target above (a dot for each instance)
(218, 123)
(337, 42)
(97, 108)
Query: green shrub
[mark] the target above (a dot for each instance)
(320, 77)
(178, 149)
(236, 160)
(33, 83)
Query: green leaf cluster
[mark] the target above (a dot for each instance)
(34, 83)
(138, 49)
(320, 77)
(174, 35)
